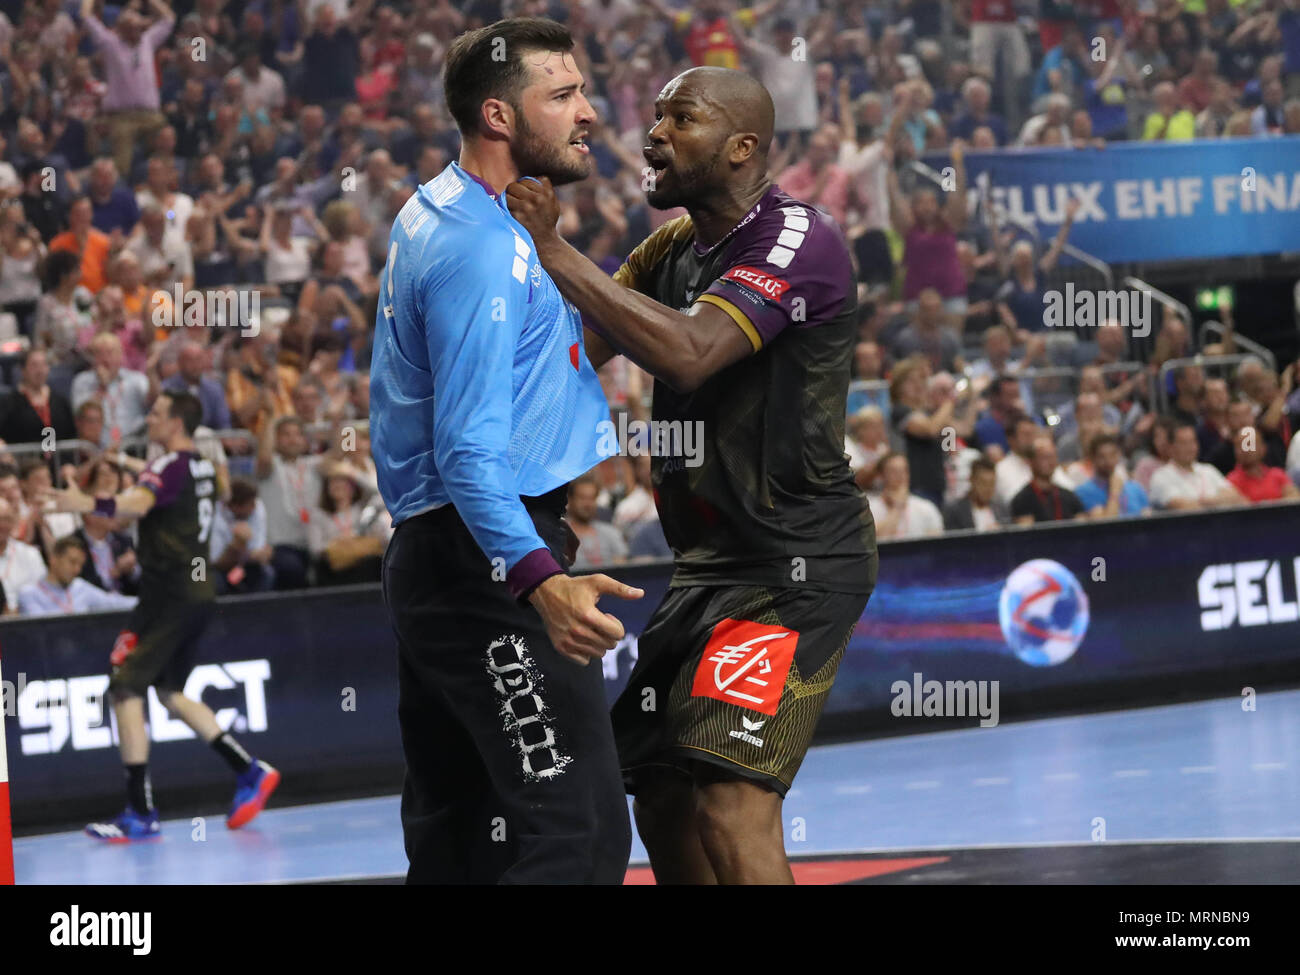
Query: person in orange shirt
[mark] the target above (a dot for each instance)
(94, 246)
(258, 387)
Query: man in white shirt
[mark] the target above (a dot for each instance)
(289, 485)
(63, 591)
(599, 543)
(898, 512)
(20, 564)
(263, 88)
(240, 552)
(791, 81)
(1014, 471)
(639, 506)
(1183, 484)
(123, 393)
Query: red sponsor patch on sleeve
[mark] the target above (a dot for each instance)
(123, 647)
(759, 281)
(746, 664)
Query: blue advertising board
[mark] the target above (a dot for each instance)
(1146, 201)
(1061, 617)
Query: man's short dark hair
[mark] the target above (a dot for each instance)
(90, 406)
(242, 491)
(1000, 380)
(66, 542)
(187, 407)
(982, 464)
(475, 70)
(1014, 423)
(1100, 440)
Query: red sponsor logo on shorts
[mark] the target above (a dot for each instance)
(755, 279)
(123, 647)
(746, 664)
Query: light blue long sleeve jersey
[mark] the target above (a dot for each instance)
(480, 388)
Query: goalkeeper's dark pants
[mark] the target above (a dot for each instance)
(511, 771)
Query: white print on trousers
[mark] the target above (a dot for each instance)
(523, 714)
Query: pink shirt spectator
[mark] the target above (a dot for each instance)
(801, 182)
(930, 257)
(129, 71)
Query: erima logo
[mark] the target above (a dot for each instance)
(749, 726)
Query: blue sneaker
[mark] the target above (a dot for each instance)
(252, 790)
(128, 827)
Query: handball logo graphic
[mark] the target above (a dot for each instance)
(1044, 613)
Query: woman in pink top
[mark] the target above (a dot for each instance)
(929, 235)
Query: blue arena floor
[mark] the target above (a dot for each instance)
(1206, 776)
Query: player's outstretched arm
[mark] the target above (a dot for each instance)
(681, 348)
(134, 502)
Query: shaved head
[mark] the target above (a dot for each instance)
(712, 132)
(738, 97)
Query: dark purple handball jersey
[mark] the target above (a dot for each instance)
(765, 497)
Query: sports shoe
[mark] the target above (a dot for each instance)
(252, 790)
(129, 826)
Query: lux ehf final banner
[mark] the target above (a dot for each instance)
(1151, 201)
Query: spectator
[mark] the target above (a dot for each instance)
(1212, 122)
(1023, 294)
(238, 542)
(64, 591)
(922, 427)
(123, 393)
(1042, 499)
(160, 193)
(930, 237)
(1241, 416)
(258, 386)
(817, 178)
(44, 529)
(91, 247)
(1108, 493)
(20, 563)
(898, 512)
(927, 336)
(1268, 118)
(21, 251)
(1184, 483)
(866, 442)
(348, 531)
(995, 36)
(289, 485)
(33, 411)
(1252, 478)
(131, 102)
(1086, 420)
(111, 564)
(1004, 407)
(976, 96)
(114, 205)
(638, 506)
(980, 509)
(1055, 117)
(599, 544)
(44, 208)
(1015, 469)
(192, 377)
(165, 257)
(1171, 121)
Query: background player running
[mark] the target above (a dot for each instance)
(174, 500)
(484, 407)
(745, 311)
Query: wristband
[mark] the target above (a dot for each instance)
(106, 507)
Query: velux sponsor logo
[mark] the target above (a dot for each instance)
(745, 735)
(771, 286)
(102, 929)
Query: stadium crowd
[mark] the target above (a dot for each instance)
(151, 153)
